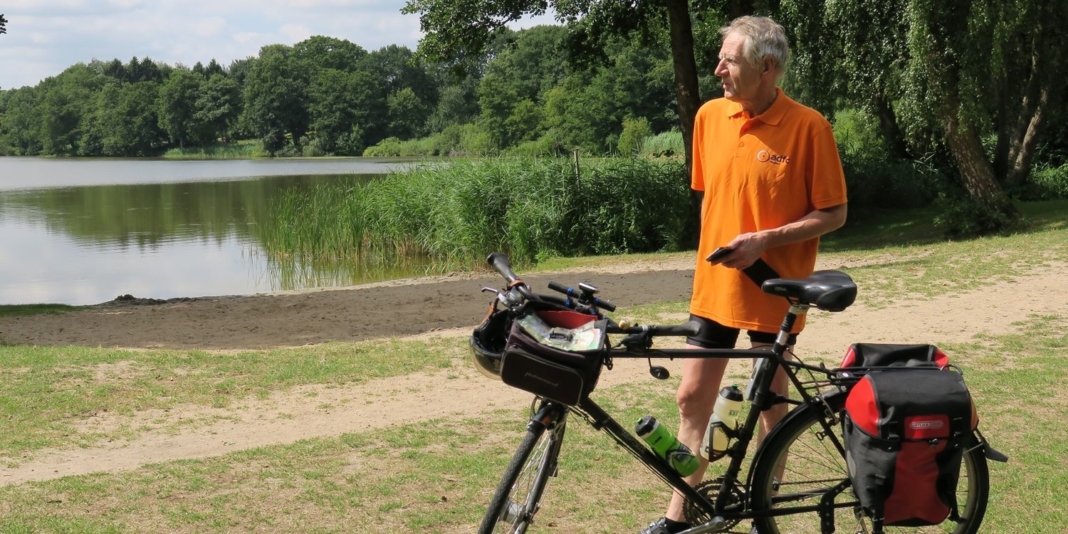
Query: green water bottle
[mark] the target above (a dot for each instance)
(666, 445)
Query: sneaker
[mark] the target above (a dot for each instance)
(665, 526)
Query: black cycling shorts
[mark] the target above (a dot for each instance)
(716, 336)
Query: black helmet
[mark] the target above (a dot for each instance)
(488, 362)
(488, 341)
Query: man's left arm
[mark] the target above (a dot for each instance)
(748, 247)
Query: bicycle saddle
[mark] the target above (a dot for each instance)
(827, 290)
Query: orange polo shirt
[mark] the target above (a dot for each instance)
(756, 174)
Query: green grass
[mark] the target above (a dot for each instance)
(437, 475)
(21, 310)
(45, 392)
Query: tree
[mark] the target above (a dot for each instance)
(407, 114)
(3, 24)
(329, 53)
(275, 97)
(20, 122)
(67, 100)
(396, 68)
(341, 106)
(457, 30)
(218, 105)
(457, 104)
(123, 121)
(177, 105)
(956, 71)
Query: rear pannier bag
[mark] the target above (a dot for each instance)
(546, 364)
(904, 428)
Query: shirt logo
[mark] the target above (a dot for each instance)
(766, 157)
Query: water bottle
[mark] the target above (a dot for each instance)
(666, 445)
(723, 422)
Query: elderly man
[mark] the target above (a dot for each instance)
(772, 183)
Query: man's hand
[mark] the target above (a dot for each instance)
(749, 246)
(746, 248)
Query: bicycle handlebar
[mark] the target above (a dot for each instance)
(570, 292)
(503, 266)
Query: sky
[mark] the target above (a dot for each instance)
(44, 37)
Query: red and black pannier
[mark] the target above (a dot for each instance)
(905, 428)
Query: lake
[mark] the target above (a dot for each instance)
(84, 231)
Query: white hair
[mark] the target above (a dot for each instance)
(763, 37)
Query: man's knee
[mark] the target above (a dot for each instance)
(693, 402)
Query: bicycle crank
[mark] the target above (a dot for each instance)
(704, 522)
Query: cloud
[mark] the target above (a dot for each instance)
(59, 33)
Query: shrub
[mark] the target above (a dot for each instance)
(666, 144)
(388, 147)
(633, 136)
(966, 218)
(1046, 183)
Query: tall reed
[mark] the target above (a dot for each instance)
(456, 212)
(228, 151)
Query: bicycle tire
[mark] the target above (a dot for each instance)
(517, 497)
(803, 451)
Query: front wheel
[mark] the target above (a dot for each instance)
(801, 466)
(514, 504)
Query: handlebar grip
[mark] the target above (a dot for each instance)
(604, 304)
(689, 328)
(560, 288)
(500, 262)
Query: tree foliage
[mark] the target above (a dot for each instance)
(974, 83)
(458, 31)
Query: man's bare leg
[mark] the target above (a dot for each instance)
(697, 393)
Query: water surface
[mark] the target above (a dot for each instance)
(84, 231)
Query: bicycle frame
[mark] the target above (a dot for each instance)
(761, 398)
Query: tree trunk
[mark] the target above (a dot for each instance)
(889, 128)
(1041, 94)
(1022, 148)
(975, 169)
(686, 89)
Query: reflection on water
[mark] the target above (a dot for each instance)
(86, 244)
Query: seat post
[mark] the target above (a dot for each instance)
(782, 341)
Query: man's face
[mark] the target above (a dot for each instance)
(741, 80)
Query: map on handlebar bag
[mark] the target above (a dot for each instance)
(582, 338)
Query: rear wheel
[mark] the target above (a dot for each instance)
(514, 504)
(801, 466)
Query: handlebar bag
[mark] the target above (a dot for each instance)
(555, 353)
(904, 431)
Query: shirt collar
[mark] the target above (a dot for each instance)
(774, 113)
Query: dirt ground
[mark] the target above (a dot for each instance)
(441, 306)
